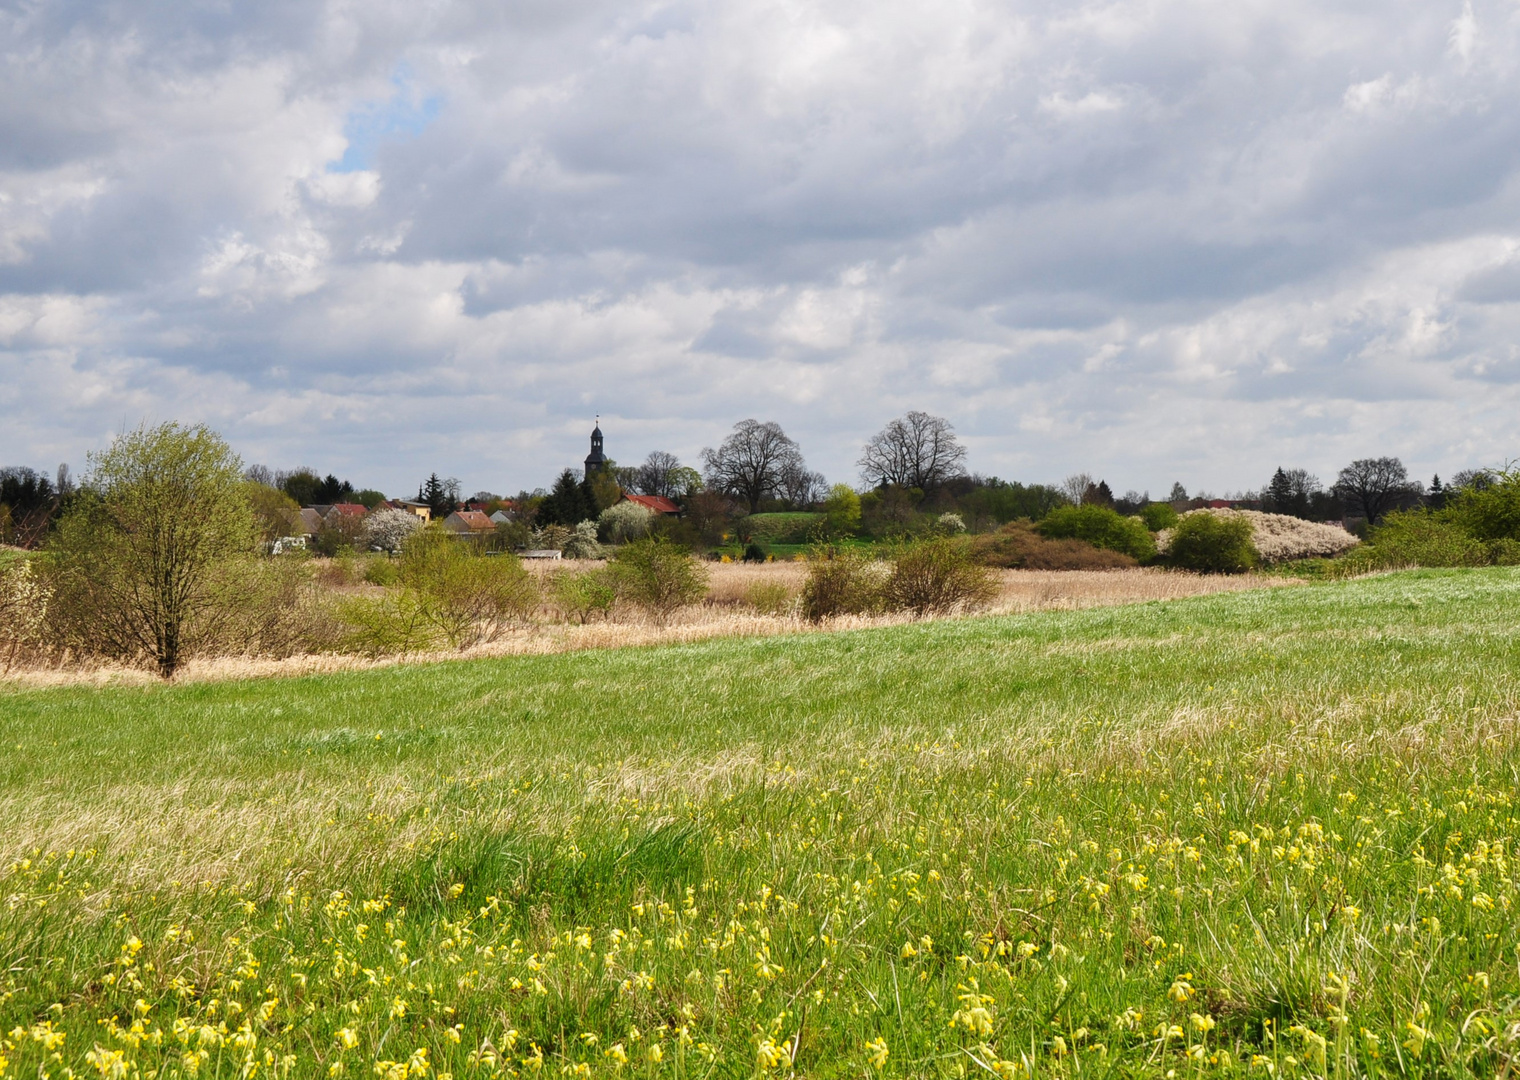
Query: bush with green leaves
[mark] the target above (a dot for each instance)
(841, 512)
(583, 595)
(1158, 516)
(1490, 511)
(770, 597)
(840, 581)
(1101, 527)
(1210, 544)
(391, 625)
(937, 576)
(1420, 538)
(467, 597)
(657, 576)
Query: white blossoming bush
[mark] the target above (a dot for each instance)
(388, 530)
(1279, 537)
(625, 521)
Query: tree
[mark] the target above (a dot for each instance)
(274, 512)
(570, 503)
(841, 511)
(1179, 493)
(656, 476)
(914, 451)
(442, 496)
(389, 530)
(1076, 486)
(34, 502)
(751, 463)
(142, 549)
(1099, 494)
(1374, 486)
(802, 488)
(1291, 492)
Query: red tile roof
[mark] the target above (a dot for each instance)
(349, 509)
(474, 520)
(658, 503)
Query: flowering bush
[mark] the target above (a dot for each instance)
(388, 530)
(625, 521)
(1277, 537)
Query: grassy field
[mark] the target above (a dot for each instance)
(1264, 833)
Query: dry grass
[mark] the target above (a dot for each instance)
(725, 613)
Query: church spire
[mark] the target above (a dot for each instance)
(596, 459)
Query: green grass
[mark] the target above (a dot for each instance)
(1199, 837)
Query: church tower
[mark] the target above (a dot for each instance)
(596, 459)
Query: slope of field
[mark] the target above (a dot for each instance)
(1213, 835)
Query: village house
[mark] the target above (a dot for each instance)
(469, 523)
(658, 504)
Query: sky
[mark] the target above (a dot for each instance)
(1152, 240)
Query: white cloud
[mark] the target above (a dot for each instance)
(1155, 241)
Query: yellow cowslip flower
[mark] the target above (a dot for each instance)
(616, 1053)
(908, 951)
(1058, 1047)
(348, 1037)
(398, 1008)
(768, 1055)
(876, 1052)
(456, 890)
(335, 1069)
(454, 1034)
(655, 1053)
(1203, 1023)
(1415, 1044)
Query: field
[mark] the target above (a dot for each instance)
(1268, 832)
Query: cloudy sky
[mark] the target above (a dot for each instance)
(1150, 239)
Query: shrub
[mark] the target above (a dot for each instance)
(1490, 511)
(466, 597)
(397, 623)
(1158, 516)
(951, 523)
(840, 582)
(657, 576)
(582, 543)
(583, 595)
(1017, 546)
(754, 553)
(381, 571)
(1279, 538)
(24, 601)
(936, 577)
(1504, 552)
(388, 530)
(1419, 538)
(625, 521)
(1212, 544)
(769, 597)
(1101, 527)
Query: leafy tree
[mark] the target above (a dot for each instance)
(1002, 501)
(1371, 487)
(1178, 494)
(751, 463)
(914, 451)
(274, 512)
(163, 511)
(34, 502)
(1098, 494)
(841, 512)
(625, 521)
(1101, 527)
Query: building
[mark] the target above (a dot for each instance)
(658, 504)
(343, 511)
(596, 459)
(468, 523)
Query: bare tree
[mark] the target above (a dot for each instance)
(1076, 486)
(802, 488)
(654, 476)
(751, 462)
(913, 451)
(1374, 486)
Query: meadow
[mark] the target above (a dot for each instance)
(1256, 833)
